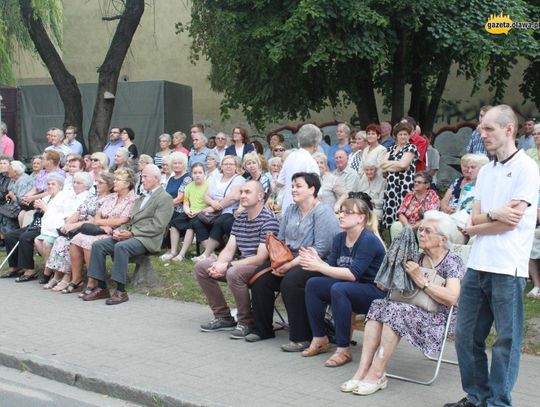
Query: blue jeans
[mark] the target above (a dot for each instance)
(345, 297)
(486, 298)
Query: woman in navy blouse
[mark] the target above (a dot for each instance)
(347, 284)
(241, 145)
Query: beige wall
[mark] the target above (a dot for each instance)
(157, 53)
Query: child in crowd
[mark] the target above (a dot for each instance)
(193, 204)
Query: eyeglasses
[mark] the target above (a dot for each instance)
(428, 231)
(220, 138)
(348, 212)
(420, 182)
(279, 150)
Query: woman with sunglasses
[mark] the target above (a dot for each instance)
(347, 284)
(278, 151)
(273, 139)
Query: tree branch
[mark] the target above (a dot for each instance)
(118, 17)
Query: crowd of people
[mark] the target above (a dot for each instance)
(329, 204)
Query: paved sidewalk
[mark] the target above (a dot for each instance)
(150, 351)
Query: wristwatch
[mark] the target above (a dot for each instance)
(229, 265)
(426, 285)
(490, 218)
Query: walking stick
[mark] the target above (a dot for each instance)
(10, 253)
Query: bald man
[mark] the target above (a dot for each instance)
(248, 236)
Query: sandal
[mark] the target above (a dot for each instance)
(316, 347)
(338, 359)
(45, 278)
(60, 286)
(86, 291)
(24, 278)
(73, 287)
(52, 282)
(178, 258)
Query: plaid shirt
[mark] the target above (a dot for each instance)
(476, 144)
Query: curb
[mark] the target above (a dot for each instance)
(86, 380)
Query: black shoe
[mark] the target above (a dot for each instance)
(464, 402)
(45, 279)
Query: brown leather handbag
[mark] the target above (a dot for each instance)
(278, 251)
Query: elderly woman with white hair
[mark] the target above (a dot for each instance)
(332, 191)
(59, 261)
(22, 241)
(388, 321)
(61, 205)
(21, 183)
(373, 184)
(176, 186)
(121, 159)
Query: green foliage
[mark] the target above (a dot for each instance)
(13, 32)
(281, 59)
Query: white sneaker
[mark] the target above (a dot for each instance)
(167, 256)
(178, 258)
(534, 293)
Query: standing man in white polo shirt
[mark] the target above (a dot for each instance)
(503, 220)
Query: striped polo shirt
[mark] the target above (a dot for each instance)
(250, 233)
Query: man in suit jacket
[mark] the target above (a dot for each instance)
(149, 217)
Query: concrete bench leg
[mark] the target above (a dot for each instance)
(144, 273)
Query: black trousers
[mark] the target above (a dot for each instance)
(23, 256)
(218, 230)
(292, 287)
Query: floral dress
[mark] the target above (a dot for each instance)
(422, 329)
(398, 184)
(59, 258)
(109, 209)
(414, 210)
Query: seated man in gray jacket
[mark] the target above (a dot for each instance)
(149, 217)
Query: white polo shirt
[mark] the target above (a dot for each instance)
(498, 183)
(297, 161)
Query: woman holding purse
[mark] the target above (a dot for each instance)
(388, 321)
(307, 223)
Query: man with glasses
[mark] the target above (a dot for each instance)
(114, 144)
(221, 145)
(71, 140)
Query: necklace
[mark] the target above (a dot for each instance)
(303, 216)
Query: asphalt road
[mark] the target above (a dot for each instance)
(22, 389)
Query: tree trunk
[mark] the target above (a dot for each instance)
(109, 71)
(363, 95)
(65, 82)
(436, 97)
(398, 74)
(417, 82)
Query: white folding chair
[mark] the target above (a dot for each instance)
(439, 359)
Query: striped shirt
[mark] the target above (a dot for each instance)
(250, 233)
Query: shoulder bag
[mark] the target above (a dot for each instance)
(208, 218)
(278, 251)
(418, 297)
